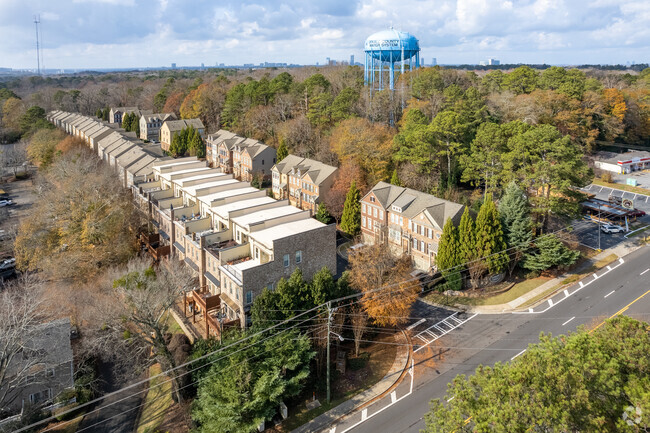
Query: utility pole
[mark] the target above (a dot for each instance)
(329, 321)
(37, 21)
(599, 226)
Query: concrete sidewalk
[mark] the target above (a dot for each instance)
(379, 389)
(620, 250)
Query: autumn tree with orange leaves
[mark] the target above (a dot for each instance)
(386, 284)
(368, 144)
(349, 172)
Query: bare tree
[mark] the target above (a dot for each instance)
(20, 317)
(133, 312)
(359, 319)
(14, 157)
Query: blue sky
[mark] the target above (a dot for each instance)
(141, 33)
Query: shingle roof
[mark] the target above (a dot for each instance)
(412, 203)
(158, 117)
(316, 170)
(54, 338)
(177, 125)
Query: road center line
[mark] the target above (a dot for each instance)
(610, 293)
(645, 271)
(568, 320)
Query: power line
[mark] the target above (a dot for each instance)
(375, 294)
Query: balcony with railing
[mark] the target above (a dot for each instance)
(151, 243)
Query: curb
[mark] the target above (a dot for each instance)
(628, 250)
(311, 426)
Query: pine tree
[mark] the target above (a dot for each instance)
(351, 218)
(550, 251)
(106, 113)
(322, 214)
(490, 242)
(467, 237)
(448, 257)
(126, 121)
(99, 113)
(394, 179)
(282, 152)
(188, 135)
(514, 211)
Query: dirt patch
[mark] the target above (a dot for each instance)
(177, 419)
(373, 363)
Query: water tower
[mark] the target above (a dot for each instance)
(384, 49)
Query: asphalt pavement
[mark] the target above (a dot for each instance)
(487, 339)
(641, 201)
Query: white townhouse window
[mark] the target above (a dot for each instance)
(286, 260)
(430, 233)
(422, 246)
(410, 225)
(249, 297)
(298, 256)
(415, 244)
(401, 220)
(415, 228)
(372, 199)
(363, 221)
(374, 212)
(363, 208)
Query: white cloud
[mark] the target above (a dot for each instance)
(89, 33)
(49, 16)
(109, 2)
(329, 34)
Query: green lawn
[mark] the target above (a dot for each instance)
(516, 291)
(573, 279)
(157, 402)
(174, 327)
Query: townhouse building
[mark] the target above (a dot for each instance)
(235, 238)
(117, 113)
(170, 128)
(304, 182)
(408, 221)
(47, 357)
(150, 125)
(244, 157)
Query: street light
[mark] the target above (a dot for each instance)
(599, 226)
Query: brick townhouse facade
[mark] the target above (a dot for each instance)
(408, 221)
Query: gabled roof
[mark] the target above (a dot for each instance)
(177, 125)
(412, 203)
(158, 117)
(288, 163)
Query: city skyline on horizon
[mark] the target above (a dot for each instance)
(111, 34)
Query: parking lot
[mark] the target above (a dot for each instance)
(641, 201)
(642, 178)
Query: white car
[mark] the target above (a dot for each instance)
(611, 228)
(5, 203)
(8, 264)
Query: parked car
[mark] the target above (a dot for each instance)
(637, 213)
(8, 264)
(4, 203)
(611, 228)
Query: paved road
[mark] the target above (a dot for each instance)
(487, 339)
